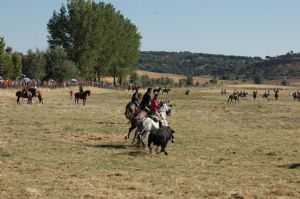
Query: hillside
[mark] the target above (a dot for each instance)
(222, 66)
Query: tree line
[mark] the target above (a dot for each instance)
(221, 66)
(86, 39)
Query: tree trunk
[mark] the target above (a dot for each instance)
(114, 74)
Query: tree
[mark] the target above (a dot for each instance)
(96, 37)
(213, 81)
(7, 65)
(17, 65)
(33, 64)
(258, 79)
(58, 66)
(2, 46)
(189, 80)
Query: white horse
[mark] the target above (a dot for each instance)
(148, 124)
(164, 110)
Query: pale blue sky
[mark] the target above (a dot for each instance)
(231, 27)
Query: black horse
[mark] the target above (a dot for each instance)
(276, 94)
(166, 90)
(254, 95)
(82, 95)
(29, 94)
(157, 90)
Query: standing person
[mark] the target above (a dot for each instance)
(146, 100)
(71, 94)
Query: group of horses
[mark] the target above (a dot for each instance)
(30, 93)
(161, 90)
(144, 122)
(237, 96)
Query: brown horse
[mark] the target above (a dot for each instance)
(234, 97)
(32, 92)
(82, 95)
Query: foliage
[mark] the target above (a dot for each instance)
(58, 66)
(285, 82)
(96, 37)
(16, 69)
(189, 80)
(2, 46)
(213, 81)
(258, 79)
(195, 64)
(34, 64)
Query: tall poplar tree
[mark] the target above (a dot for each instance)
(96, 37)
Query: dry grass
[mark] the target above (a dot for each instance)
(59, 150)
(176, 78)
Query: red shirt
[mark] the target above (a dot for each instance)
(154, 105)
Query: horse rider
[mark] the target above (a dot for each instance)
(80, 88)
(146, 100)
(154, 108)
(135, 97)
(24, 88)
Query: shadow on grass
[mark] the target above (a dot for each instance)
(4, 153)
(134, 153)
(291, 166)
(108, 146)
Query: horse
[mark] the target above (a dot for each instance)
(157, 90)
(144, 122)
(276, 95)
(243, 95)
(130, 109)
(254, 95)
(166, 90)
(234, 97)
(266, 95)
(32, 92)
(164, 109)
(296, 95)
(27, 95)
(82, 95)
(223, 92)
(187, 92)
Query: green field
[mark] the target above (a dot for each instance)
(59, 150)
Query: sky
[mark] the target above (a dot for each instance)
(231, 27)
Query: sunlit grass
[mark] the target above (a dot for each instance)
(59, 150)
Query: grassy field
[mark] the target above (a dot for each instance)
(59, 150)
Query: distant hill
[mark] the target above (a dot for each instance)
(222, 66)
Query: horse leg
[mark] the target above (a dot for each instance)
(18, 100)
(129, 131)
(143, 137)
(163, 149)
(136, 134)
(149, 145)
